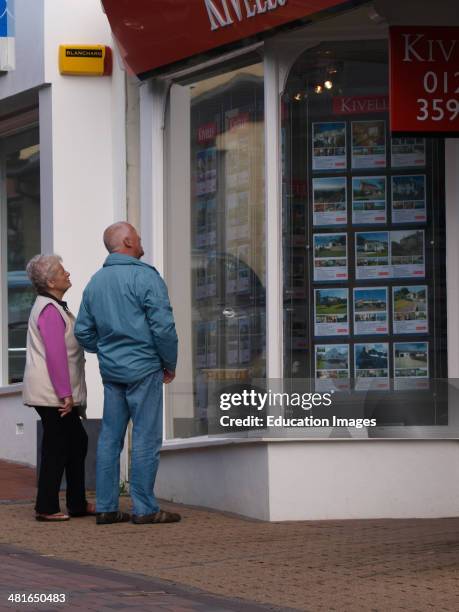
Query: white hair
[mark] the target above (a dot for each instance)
(41, 269)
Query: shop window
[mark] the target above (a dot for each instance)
(20, 239)
(363, 241)
(215, 266)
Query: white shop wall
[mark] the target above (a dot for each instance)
(82, 156)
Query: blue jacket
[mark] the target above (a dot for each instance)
(126, 318)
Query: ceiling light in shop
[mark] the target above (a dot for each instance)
(328, 84)
(318, 89)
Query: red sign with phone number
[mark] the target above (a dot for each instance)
(424, 79)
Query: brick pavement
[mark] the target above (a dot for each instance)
(318, 566)
(87, 587)
(349, 566)
(16, 481)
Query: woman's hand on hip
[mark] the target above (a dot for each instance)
(67, 406)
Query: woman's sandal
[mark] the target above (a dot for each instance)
(58, 517)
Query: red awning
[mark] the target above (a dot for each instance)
(152, 34)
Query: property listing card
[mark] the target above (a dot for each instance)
(409, 308)
(371, 366)
(409, 198)
(371, 311)
(368, 144)
(329, 146)
(408, 253)
(330, 257)
(408, 152)
(368, 200)
(332, 367)
(411, 365)
(331, 308)
(329, 201)
(372, 255)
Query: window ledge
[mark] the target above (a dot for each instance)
(14, 389)
(207, 442)
(421, 434)
(201, 442)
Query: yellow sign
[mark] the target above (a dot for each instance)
(85, 60)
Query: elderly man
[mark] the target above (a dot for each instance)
(126, 318)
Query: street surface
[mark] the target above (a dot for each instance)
(214, 561)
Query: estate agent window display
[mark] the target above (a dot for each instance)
(364, 236)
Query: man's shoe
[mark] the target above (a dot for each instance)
(157, 517)
(107, 518)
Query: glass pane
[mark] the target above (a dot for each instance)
(22, 160)
(364, 246)
(216, 242)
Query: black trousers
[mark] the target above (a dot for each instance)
(64, 447)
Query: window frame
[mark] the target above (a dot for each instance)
(3, 275)
(10, 126)
(245, 57)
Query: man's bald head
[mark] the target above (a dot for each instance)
(123, 238)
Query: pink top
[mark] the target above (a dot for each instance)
(52, 330)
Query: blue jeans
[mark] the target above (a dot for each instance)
(142, 402)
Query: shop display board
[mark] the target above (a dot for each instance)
(365, 252)
(371, 282)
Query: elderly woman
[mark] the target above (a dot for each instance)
(54, 384)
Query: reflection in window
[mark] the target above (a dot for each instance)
(224, 307)
(22, 164)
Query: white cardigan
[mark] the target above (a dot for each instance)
(37, 386)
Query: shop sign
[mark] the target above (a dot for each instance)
(152, 35)
(424, 79)
(7, 33)
(223, 13)
(358, 105)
